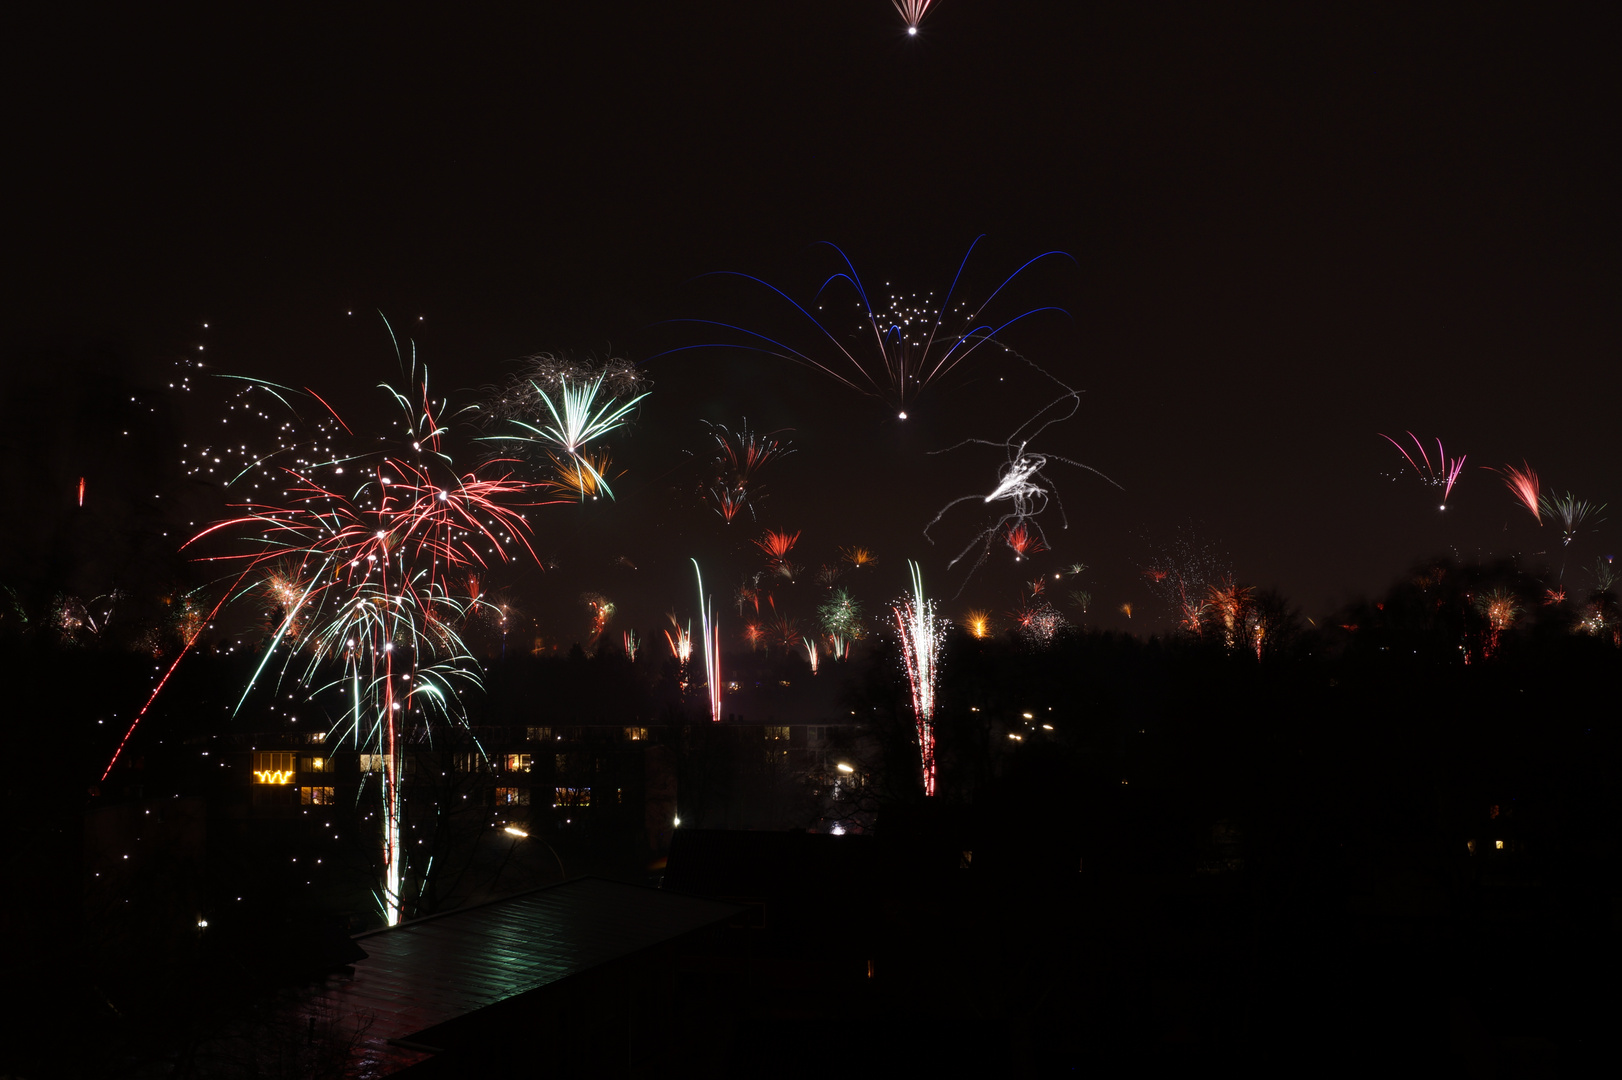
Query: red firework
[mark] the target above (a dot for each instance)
(1022, 541)
(777, 545)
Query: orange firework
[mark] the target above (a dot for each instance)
(977, 623)
(1501, 609)
(858, 557)
(583, 475)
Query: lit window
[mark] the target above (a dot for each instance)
(318, 796)
(468, 762)
(778, 731)
(538, 734)
(512, 796)
(317, 764)
(518, 762)
(1499, 844)
(272, 767)
(317, 738)
(571, 796)
(371, 763)
(636, 734)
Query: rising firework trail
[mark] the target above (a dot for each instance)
(711, 637)
(1443, 473)
(1571, 512)
(920, 632)
(908, 344)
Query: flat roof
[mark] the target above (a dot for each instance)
(421, 974)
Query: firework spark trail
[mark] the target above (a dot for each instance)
(681, 643)
(921, 632)
(158, 689)
(631, 645)
(777, 545)
(1443, 474)
(711, 636)
(913, 12)
(1021, 483)
(1523, 484)
(602, 611)
(1021, 541)
(911, 346)
(810, 652)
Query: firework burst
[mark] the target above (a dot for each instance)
(560, 408)
(1571, 512)
(1443, 473)
(858, 557)
(370, 559)
(732, 480)
(909, 343)
(776, 546)
(1523, 484)
(912, 12)
(841, 616)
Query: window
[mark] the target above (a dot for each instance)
(573, 764)
(270, 767)
(778, 731)
(518, 762)
(371, 763)
(512, 796)
(571, 796)
(467, 761)
(636, 734)
(269, 795)
(317, 764)
(317, 796)
(316, 738)
(538, 734)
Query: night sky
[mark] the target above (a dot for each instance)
(1292, 229)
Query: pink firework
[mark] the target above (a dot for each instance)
(1523, 484)
(913, 11)
(1442, 473)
